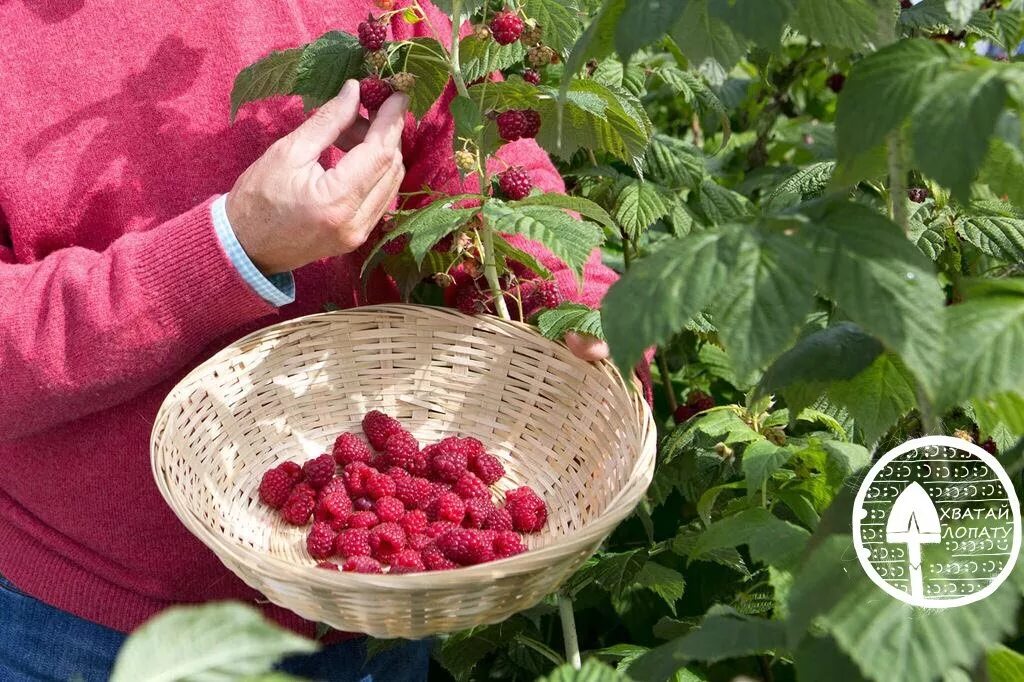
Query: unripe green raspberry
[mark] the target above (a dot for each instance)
(465, 160)
(376, 61)
(539, 56)
(403, 81)
(532, 35)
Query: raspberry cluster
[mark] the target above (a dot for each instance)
(404, 508)
(696, 402)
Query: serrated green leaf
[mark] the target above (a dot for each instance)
(682, 278)
(665, 582)
(674, 163)
(949, 100)
(696, 92)
(467, 117)
(462, 651)
(1000, 236)
(961, 11)
(559, 20)
(207, 642)
(271, 75)
(569, 239)
(877, 397)
(806, 183)
(771, 540)
(614, 573)
(1000, 411)
(761, 459)
(1004, 665)
(820, 658)
(643, 22)
(708, 41)
(596, 42)
(425, 58)
(849, 24)
(638, 204)
(505, 249)
(426, 226)
(584, 207)
(722, 205)
(762, 21)
(325, 65)
(1003, 170)
(592, 671)
(480, 56)
(570, 317)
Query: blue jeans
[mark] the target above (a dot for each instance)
(41, 643)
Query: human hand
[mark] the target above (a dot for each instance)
(586, 347)
(287, 211)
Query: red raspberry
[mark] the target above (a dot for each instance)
(438, 528)
(380, 485)
(511, 125)
(469, 487)
(435, 560)
(527, 509)
(401, 449)
(506, 27)
(507, 543)
(414, 521)
(413, 491)
(299, 506)
(449, 466)
(349, 448)
(328, 565)
(385, 540)
(835, 82)
(531, 123)
(320, 541)
(918, 194)
(357, 475)
(378, 427)
(395, 246)
(515, 183)
(990, 447)
(469, 446)
(906, 4)
(466, 547)
(418, 541)
(499, 519)
(469, 300)
(447, 507)
(293, 470)
(353, 542)
(363, 519)
(373, 92)
(334, 507)
(397, 473)
(532, 77)
(362, 504)
(335, 485)
(487, 468)
(362, 564)
(407, 561)
(389, 509)
(372, 34)
(319, 470)
(275, 487)
(478, 510)
(544, 294)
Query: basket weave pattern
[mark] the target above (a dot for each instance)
(571, 430)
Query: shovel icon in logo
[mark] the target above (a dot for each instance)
(913, 521)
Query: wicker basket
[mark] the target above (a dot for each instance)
(573, 431)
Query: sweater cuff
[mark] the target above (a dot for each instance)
(276, 289)
(191, 284)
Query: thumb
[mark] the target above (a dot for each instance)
(319, 131)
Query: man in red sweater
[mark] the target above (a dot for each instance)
(123, 265)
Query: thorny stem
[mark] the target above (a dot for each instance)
(491, 272)
(572, 645)
(460, 82)
(666, 380)
(897, 182)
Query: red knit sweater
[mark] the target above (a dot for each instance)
(113, 285)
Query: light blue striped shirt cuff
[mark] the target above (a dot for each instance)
(276, 289)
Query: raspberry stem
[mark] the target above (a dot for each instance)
(572, 645)
(491, 272)
(456, 67)
(897, 181)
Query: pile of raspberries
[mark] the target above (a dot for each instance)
(403, 509)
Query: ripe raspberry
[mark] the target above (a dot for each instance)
(471, 301)
(328, 565)
(487, 467)
(319, 470)
(362, 564)
(447, 507)
(356, 475)
(439, 528)
(414, 521)
(507, 543)
(380, 485)
(539, 56)
(413, 491)
(511, 124)
(407, 561)
(449, 466)
(299, 506)
(527, 509)
(469, 487)
(700, 401)
(478, 510)
(990, 447)
(918, 194)
(293, 470)
(389, 509)
(385, 540)
(466, 547)
(372, 34)
(275, 487)
(378, 427)
(335, 485)
(499, 519)
(465, 160)
(349, 448)
(363, 519)
(506, 27)
(532, 77)
(515, 183)
(906, 4)
(353, 542)
(362, 504)
(373, 92)
(835, 82)
(418, 541)
(435, 560)
(403, 81)
(401, 450)
(334, 507)
(320, 541)
(545, 295)
(532, 123)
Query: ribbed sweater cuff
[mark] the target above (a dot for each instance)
(191, 283)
